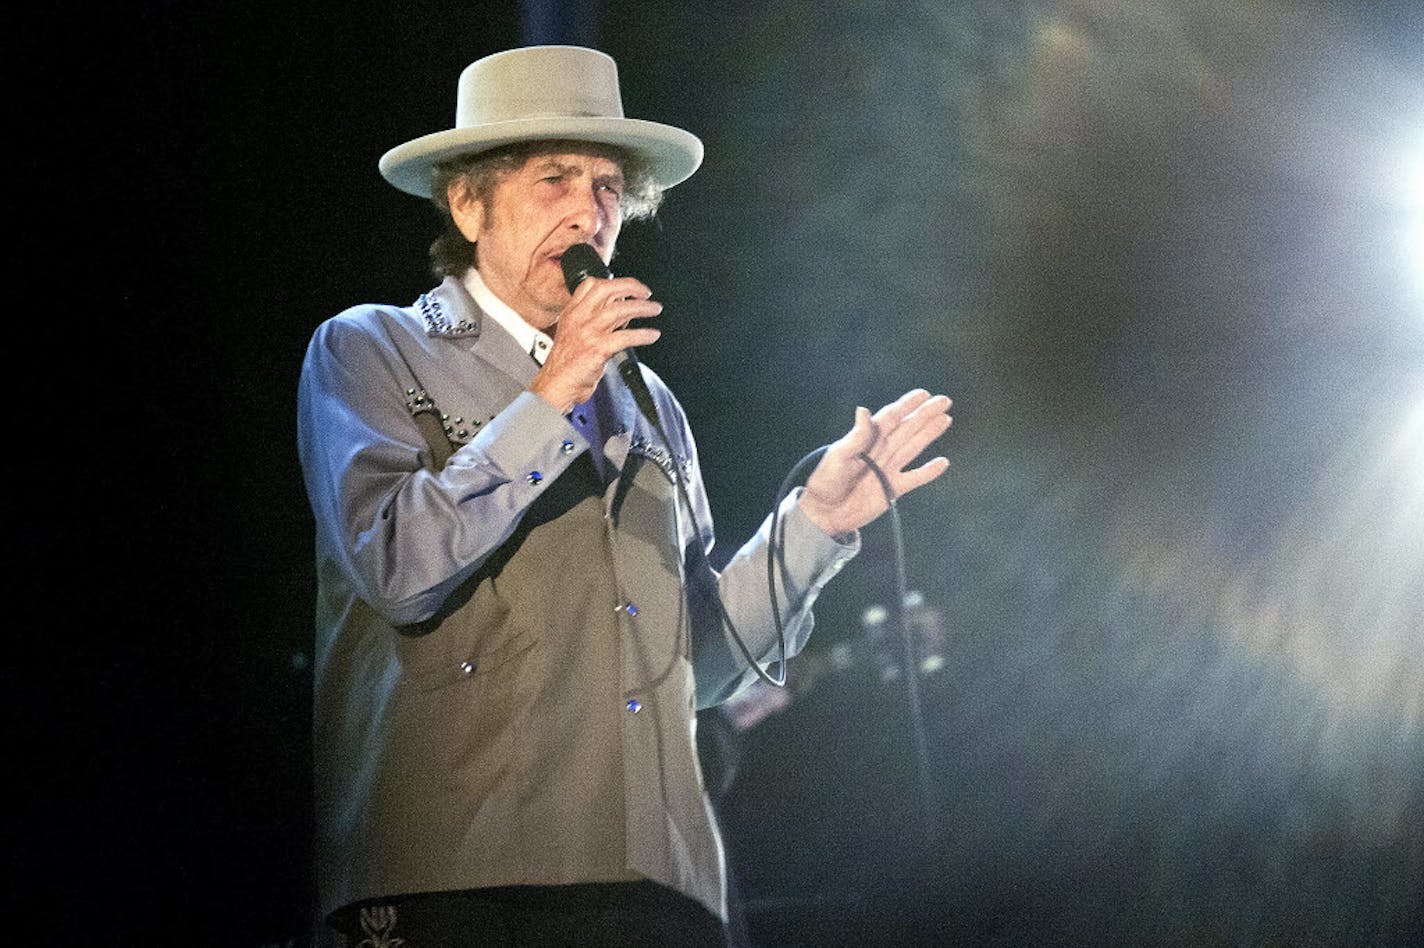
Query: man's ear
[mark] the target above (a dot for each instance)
(466, 210)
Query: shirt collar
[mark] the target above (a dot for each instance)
(531, 340)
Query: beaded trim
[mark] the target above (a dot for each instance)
(660, 456)
(459, 430)
(437, 323)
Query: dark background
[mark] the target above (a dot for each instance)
(1159, 254)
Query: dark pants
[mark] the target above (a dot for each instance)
(626, 914)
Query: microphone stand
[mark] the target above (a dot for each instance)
(919, 743)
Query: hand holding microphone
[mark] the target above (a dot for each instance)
(592, 329)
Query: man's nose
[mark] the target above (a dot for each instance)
(585, 214)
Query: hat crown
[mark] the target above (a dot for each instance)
(538, 82)
(542, 93)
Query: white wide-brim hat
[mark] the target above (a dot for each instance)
(542, 93)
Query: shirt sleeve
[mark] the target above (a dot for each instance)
(736, 601)
(405, 536)
(811, 558)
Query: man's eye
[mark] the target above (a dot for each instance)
(553, 178)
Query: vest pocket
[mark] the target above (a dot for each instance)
(479, 664)
(454, 731)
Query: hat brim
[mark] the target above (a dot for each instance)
(671, 153)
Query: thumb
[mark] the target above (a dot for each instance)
(862, 435)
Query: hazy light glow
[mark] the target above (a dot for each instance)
(1179, 554)
(1412, 243)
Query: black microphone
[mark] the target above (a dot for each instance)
(579, 263)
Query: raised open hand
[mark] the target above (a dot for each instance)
(843, 494)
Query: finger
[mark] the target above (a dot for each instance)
(911, 438)
(613, 288)
(891, 414)
(927, 414)
(902, 406)
(594, 302)
(843, 460)
(627, 288)
(931, 405)
(936, 404)
(925, 410)
(627, 338)
(618, 314)
(906, 481)
(862, 435)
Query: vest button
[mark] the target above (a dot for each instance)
(534, 477)
(567, 447)
(634, 705)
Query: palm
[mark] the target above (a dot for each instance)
(844, 494)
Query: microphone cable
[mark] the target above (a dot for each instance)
(916, 722)
(582, 261)
(776, 555)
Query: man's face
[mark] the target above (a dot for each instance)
(533, 215)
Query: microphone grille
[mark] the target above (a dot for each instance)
(580, 262)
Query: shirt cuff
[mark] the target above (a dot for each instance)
(805, 542)
(528, 441)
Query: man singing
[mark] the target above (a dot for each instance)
(516, 617)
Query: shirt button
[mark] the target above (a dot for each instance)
(468, 667)
(634, 705)
(567, 447)
(534, 477)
